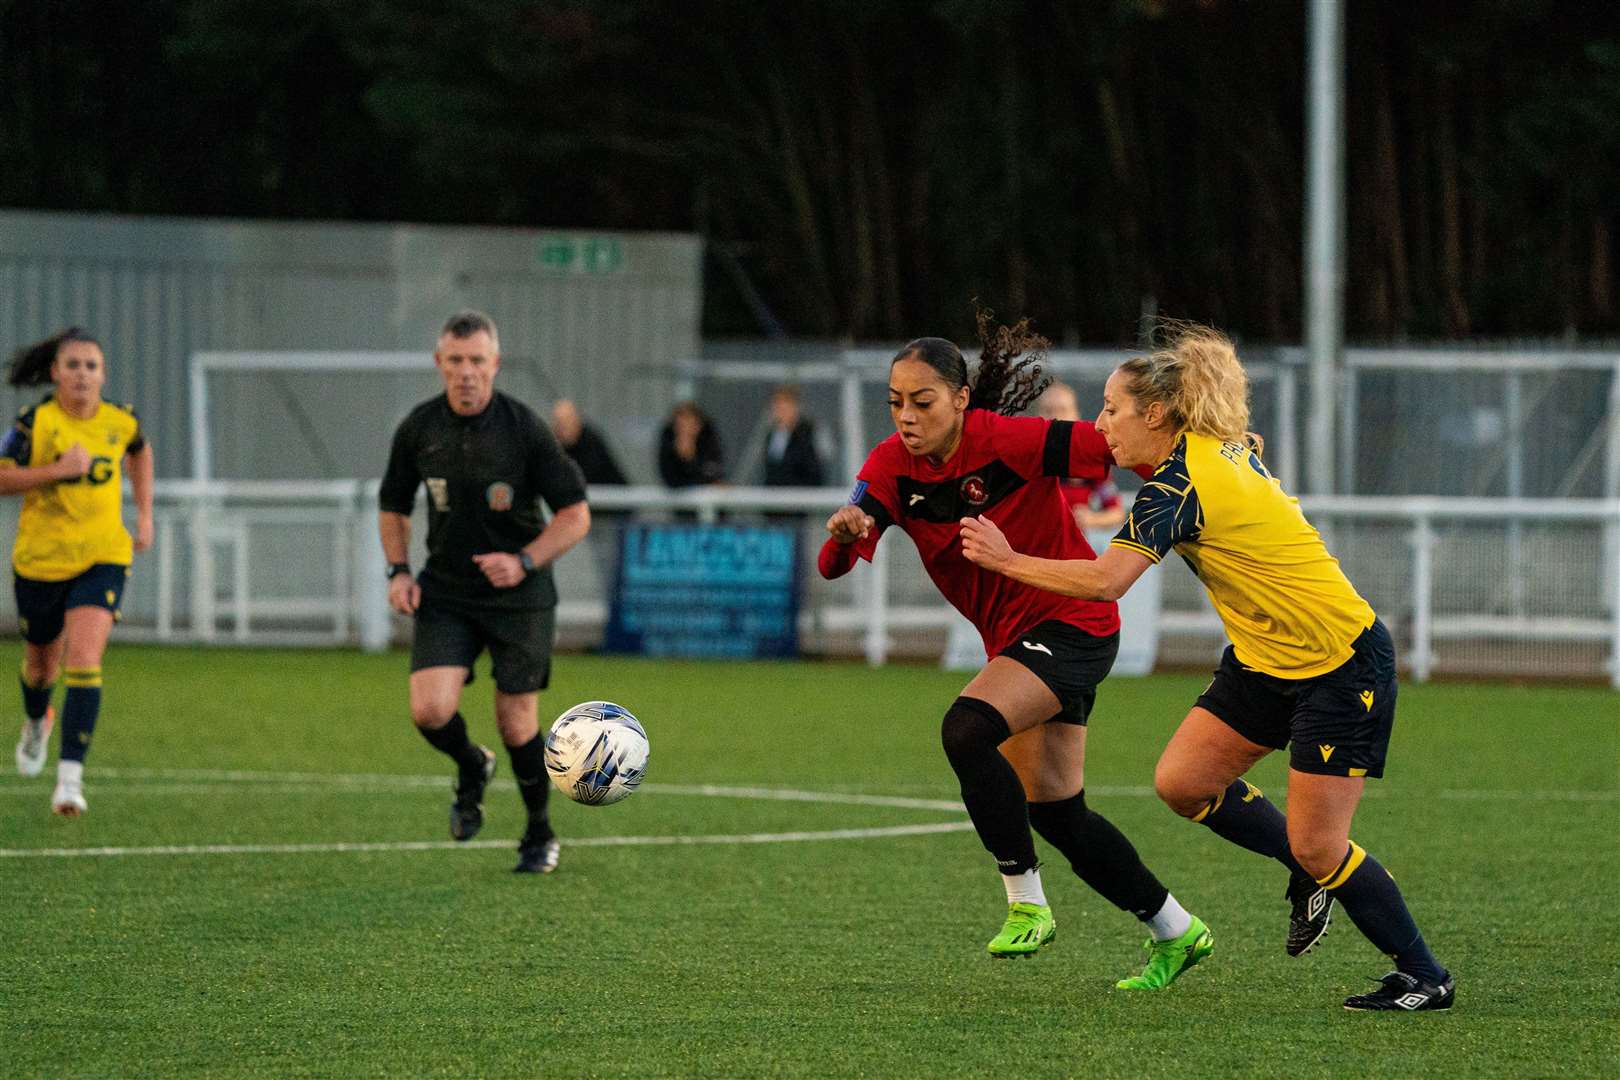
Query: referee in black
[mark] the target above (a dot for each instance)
(487, 461)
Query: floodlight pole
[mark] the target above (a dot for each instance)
(1324, 233)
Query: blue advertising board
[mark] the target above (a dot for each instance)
(705, 590)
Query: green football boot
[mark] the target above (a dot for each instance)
(1028, 927)
(1168, 959)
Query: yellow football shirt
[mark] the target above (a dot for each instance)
(68, 527)
(1286, 605)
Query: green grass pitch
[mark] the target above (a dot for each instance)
(843, 955)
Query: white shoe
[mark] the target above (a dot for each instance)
(68, 798)
(34, 743)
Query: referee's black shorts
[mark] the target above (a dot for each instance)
(1069, 661)
(519, 640)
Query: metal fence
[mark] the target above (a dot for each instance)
(1412, 421)
(1526, 587)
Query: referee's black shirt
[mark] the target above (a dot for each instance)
(485, 477)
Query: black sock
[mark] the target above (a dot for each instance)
(1243, 815)
(36, 699)
(994, 797)
(1374, 903)
(529, 767)
(80, 707)
(452, 740)
(1101, 855)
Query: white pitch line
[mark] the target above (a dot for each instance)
(451, 845)
(206, 781)
(248, 782)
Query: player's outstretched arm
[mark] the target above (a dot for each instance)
(847, 525)
(1107, 577)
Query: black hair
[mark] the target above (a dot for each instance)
(1004, 383)
(31, 364)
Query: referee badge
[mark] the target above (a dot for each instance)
(439, 491)
(499, 495)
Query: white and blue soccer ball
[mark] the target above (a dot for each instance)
(596, 753)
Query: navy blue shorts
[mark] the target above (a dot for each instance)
(1338, 722)
(43, 605)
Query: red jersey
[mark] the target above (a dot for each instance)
(1092, 494)
(1007, 468)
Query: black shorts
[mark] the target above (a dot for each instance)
(519, 641)
(1069, 661)
(43, 605)
(1339, 723)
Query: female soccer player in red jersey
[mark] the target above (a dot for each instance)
(1016, 737)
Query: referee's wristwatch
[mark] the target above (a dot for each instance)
(526, 561)
(397, 568)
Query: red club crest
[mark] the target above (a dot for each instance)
(974, 492)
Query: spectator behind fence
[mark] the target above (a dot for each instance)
(689, 449)
(588, 450)
(1095, 504)
(791, 459)
(585, 445)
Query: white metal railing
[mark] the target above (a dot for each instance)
(1520, 379)
(288, 562)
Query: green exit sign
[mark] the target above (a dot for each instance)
(582, 255)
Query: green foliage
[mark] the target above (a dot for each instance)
(870, 167)
(855, 957)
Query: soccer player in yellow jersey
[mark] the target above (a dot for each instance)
(65, 458)
(1309, 661)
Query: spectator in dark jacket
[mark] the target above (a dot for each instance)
(791, 459)
(689, 449)
(585, 445)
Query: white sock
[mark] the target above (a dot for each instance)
(69, 772)
(1025, 888)
(1171, 921)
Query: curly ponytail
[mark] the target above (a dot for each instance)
(31, 364)
(1005, 383)
(1000, 384)
(1198, 378)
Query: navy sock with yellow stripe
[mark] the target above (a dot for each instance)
(80, 707)
(1374, 903)
(1243, 815)
(36, 699)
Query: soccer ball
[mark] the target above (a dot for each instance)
(596, 753)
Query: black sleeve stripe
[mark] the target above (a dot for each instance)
(1055, 457)
(879, 512)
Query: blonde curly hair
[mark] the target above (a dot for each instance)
(1198, 378)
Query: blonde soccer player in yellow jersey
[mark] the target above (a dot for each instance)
(65, 457)
(1309, 662)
